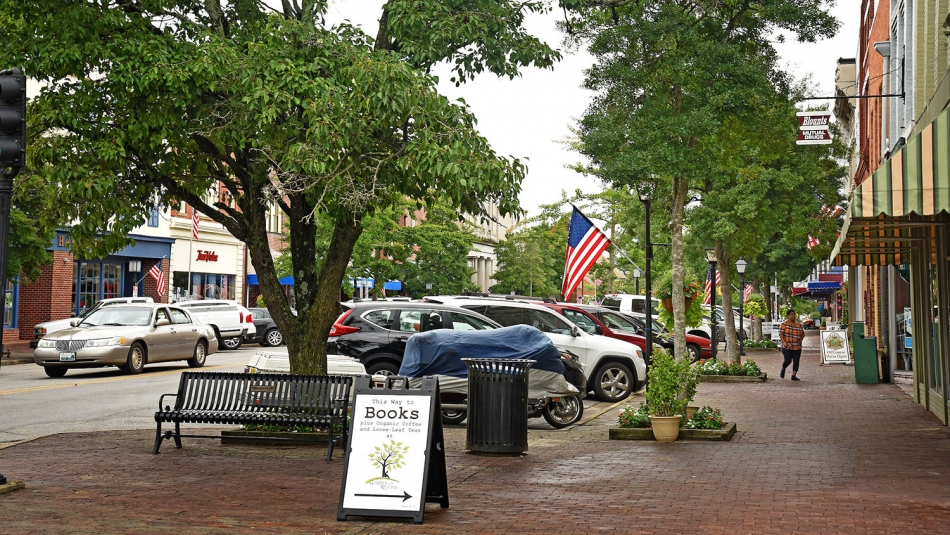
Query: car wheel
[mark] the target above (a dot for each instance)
(199, 356)
(273, 338)
(453, 416)
(55, 371)
(695, 352)
(232, 343)
(136, 361)
(382, 368)
(613, 382)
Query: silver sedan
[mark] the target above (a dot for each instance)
(127, 336)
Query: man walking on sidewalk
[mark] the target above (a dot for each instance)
(791, 333)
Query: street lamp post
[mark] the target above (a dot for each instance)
(636, 279)
(648, 324)
(740, 267)
(711, 258)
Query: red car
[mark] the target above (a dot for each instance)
(699, 346)
(606, 322)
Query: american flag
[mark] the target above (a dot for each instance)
(585, 243)
(746, 293)
(159, 276)
(708, 289)
(194, 224)
(826, 211)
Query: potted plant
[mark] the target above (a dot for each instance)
(670, 388)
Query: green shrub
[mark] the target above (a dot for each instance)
(670, 386)
(706, 418)
(718, 367)
(759, 344)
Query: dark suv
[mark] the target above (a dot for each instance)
(375, 332)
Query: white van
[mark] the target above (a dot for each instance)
(628, 303)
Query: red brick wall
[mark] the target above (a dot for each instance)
(151, 286)
(50, 297)
(875, 27)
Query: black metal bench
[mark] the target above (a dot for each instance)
(234, 398)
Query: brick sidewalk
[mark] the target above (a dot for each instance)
(823, 455)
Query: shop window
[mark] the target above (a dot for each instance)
(93, 281)
(202, 286)
(10, 304)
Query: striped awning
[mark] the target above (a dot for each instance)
(896, 207)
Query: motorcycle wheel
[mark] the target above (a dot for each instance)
(561, 414)
(453, 416)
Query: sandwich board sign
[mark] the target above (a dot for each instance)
(834, 346)
(395, 454)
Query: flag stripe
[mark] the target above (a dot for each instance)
(159, 275)
(194, 224)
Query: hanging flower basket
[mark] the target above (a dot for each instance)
(668, 304)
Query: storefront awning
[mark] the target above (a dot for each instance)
(911, 190)
(285, 281)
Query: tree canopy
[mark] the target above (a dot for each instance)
(143, 98)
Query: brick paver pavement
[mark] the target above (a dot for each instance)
(823, 455)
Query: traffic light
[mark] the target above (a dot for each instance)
(12, 118)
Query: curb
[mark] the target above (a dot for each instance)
(11, 486)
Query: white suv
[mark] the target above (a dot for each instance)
(233, 324)
(614, 368)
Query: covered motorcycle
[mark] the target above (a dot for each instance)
(556, 382)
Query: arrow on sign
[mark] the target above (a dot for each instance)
(405, 495)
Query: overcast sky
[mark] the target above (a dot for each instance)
(530, 117)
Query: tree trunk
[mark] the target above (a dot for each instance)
(732, 341)
(680, 192)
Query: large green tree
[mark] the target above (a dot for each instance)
(673, 81)
(172, 97)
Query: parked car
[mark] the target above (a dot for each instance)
(266, 362)
(233, 324)
(699, 347)
(267, 332)
(628, 303)
(375, 332)
(128, 336)
(591, 319)
(614, 368)
(42, 329)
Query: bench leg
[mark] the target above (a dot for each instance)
(177, 435)
(158, 439)
(330, 442)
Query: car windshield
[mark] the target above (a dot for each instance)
(616, 321)
(118, 316)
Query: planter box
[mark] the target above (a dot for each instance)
(260, 438)
(726, 433)
(761, 350)
(734, 378)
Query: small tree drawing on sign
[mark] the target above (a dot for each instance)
(389, 457)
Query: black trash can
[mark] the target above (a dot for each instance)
(497, 405)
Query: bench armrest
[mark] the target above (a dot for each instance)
(163, 397)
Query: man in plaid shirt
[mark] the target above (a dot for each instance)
(791, 333)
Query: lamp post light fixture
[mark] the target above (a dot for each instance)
(740, 267)
(636, 279)
(648, 323)
(711, 258)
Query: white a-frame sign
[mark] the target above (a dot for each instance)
(395, 456)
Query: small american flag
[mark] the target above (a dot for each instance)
(194, 224)
(746, 293)
(708, 288)
(159, 276)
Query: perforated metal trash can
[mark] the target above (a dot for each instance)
(497, 405)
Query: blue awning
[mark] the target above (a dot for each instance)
(824, 286)
(393, 285)
(285, 281)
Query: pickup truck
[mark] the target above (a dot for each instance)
(233, 324)
(42, 329)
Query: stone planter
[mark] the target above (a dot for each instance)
(734, 378)
(724, 434)
(665, 428)
(260, 438)
(761, 350)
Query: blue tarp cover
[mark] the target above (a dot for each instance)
(440, 352)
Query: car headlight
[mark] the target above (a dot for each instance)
(46, 343)
(103, 342)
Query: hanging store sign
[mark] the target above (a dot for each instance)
(813, 128)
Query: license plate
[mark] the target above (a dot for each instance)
(67, 357)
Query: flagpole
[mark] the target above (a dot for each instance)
(191, 245)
